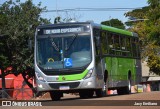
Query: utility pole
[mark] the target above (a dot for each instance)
(56, 9)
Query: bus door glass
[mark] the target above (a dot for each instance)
(98, 55)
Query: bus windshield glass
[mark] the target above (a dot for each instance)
(63, 51)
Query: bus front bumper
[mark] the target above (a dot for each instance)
(89, 83)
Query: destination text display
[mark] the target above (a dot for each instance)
(62, 30)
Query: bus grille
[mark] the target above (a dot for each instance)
(70, 72)
(57, 85)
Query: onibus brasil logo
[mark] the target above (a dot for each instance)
(21, 103)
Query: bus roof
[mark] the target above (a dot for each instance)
(116, 30)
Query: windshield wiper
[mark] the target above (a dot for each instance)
(54, 44)
(73, 39)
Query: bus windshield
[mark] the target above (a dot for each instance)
(63, 51)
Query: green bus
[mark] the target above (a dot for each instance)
(85, 58)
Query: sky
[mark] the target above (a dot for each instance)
(96, 16)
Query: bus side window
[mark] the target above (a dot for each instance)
(111, 44)
(128, 46)
(135, 48)
(117, 45)
(123, 45)
(104, 42)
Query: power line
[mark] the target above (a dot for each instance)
(92, 9)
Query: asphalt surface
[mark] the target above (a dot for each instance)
(148, 100)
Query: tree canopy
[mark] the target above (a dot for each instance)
(114, 23)
(18, 22)
(149, 32)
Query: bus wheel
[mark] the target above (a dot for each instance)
(102, 92)
(90, 93)
(121, 90)
(128, 88)
(55, 96)
(86, 93)
(82, 95)
(125, 90)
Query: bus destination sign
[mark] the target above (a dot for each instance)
(63, 30)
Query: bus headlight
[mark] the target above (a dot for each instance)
(89, 74)
(40, 77)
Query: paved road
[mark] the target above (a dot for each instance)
(109, 102)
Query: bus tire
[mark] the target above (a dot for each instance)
(99, 93)
(82, 95)
(125, 90)
(55, 96)
(90, 93)
(128, 88)
(103, 91)
(86, 93)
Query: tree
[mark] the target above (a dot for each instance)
(19, 21)
(136, 14)
(3, 50)
(114, 23)
(154, 35)
(149, 33)
(3, 62)
(139, 26)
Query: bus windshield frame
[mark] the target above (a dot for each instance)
(61, 51)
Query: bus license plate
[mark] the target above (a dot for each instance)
(64, 88)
